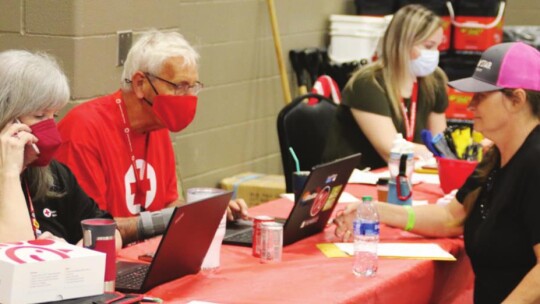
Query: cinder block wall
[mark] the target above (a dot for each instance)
(235, 127)
(522, 12)
(234, 130)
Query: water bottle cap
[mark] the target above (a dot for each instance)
(367, 198)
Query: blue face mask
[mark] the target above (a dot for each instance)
(425, 64)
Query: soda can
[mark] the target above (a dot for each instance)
(256, 237)
(271, 242)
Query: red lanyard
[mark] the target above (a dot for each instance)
(35, 223)
(139, 178)
(410, 119)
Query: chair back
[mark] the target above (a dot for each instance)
(303, 128)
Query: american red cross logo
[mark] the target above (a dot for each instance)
(139, 189)
(140, 194)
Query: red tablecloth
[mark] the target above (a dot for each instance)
(306, 276)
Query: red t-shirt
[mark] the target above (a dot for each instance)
(95, 147)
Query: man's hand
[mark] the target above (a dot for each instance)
(237, 210)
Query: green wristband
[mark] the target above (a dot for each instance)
(411, 218)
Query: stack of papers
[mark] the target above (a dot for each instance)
(367, 177)
(371, 178)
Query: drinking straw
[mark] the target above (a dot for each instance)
(296, 162)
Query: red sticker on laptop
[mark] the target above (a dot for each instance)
(320, 200)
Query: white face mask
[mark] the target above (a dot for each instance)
(426, 63)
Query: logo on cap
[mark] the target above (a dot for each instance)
(484, 64)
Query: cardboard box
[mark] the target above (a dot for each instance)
(255, 188)
(45, 270)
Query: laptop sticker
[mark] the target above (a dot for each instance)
(311, 221)
(331, 179)
(319, 201)
(332, 199)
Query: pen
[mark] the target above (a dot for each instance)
(449, 141)
(152, 299)
(33, 144)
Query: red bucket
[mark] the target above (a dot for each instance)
(454, 172)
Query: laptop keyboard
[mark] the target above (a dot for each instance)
(242, 237)
(133, 278)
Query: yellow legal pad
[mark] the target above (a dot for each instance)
(416, 251)
(330, 250)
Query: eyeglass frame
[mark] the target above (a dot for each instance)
(186, 87)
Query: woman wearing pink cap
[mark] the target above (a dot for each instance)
(498, 208)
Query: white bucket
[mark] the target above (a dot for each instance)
(355, 38)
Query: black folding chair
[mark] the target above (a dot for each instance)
(303, 128)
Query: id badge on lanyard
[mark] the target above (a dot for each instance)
(410, 116)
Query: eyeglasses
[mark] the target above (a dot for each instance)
(182, 88)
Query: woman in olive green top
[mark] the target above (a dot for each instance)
(403, 92)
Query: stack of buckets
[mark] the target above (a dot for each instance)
(355, 38)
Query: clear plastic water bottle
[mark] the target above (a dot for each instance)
(399, 147)
(366, 238)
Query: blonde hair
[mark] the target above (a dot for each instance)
(412, 24)
(30, 83)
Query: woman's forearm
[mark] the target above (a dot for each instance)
(528, 290)
(430, 220)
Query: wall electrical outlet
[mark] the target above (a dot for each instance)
(124, 45)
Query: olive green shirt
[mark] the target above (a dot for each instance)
(345, 136)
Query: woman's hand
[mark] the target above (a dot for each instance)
(13, 140)
(237, 210)
(344, 222)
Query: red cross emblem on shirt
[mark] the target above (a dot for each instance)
(139, 189)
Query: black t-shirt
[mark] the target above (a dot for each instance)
(504, 224)
(367, 93)
(62, 216)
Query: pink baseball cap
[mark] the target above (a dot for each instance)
(513, 65)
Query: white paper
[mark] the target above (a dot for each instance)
(426, 163)
(420, 251)
(367, 177)
(425, 178)
(345, 197)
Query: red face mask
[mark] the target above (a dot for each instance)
(175, 112)
(48, 141)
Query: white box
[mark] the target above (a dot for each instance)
(45, 270)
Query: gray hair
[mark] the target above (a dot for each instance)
(150, 52)
(29, 82)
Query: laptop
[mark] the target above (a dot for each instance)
(312, 209)
(181, 249)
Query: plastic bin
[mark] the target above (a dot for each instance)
(454, 172)
(353, 38)
(477, 24)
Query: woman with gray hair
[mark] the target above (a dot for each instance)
(39, 197)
